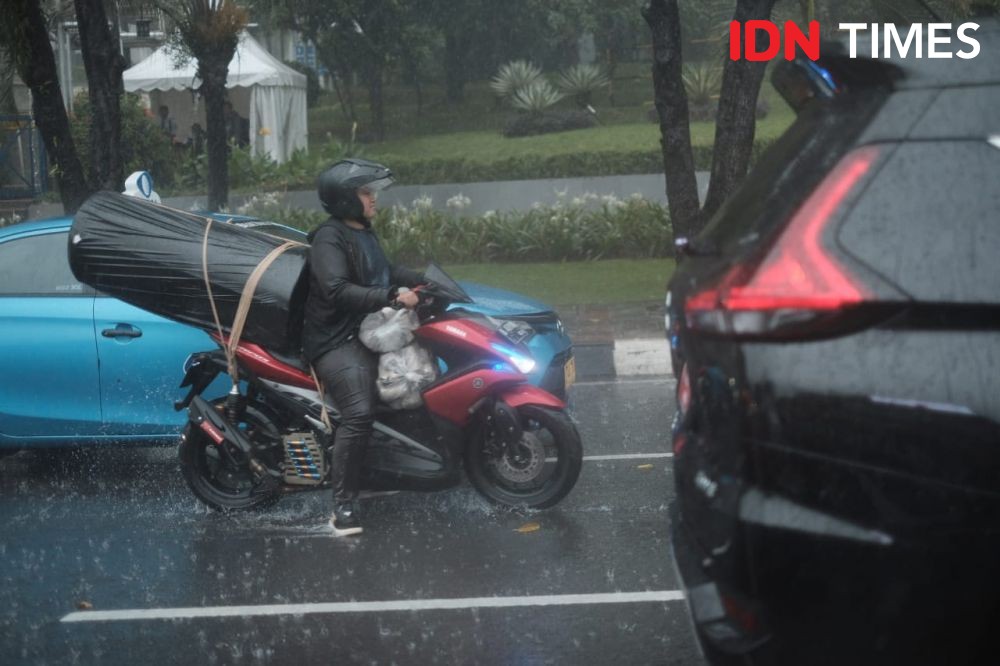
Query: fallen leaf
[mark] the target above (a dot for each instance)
(84, 605)
(645, 467)
(528, 527)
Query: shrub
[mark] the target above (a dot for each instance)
(144, 146)
(514, 76)
(702, 83)
(536, 96)
(529, 124)
(260, 172)
(585, 228)
(300, 172)
(596, 163)
(581, 81)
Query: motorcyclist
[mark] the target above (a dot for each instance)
(349, 277)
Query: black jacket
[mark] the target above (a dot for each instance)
(340, 295)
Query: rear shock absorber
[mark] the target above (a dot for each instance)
(235, 405)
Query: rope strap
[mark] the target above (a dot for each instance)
(324, 414)
(246, 299)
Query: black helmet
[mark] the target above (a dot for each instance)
(338, 186)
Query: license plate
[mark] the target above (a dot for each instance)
(569, 372)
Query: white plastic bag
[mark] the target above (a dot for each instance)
(402, 374)
(388, 330)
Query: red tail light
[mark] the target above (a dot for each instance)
(684, 390)
(798, 278)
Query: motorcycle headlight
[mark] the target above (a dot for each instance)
(520, 361)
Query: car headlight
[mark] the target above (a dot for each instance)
(516, 331)
(520, 361)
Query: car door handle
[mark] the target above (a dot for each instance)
(122, 331)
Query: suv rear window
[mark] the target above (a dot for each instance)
(790, 169)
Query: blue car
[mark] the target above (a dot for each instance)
(78, 367)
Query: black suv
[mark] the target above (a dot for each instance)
(835, 332)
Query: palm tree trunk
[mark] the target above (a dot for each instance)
(38, 71)
(736, 122)
(104, 64)
(376, 102)
(671, 101)
(213, 72)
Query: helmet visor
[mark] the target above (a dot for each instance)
(377, 185)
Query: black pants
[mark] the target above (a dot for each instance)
(348, 376)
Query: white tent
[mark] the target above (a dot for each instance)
(259, 85)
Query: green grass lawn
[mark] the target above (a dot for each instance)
(490, 146)
(470, 132)
(480, 111)
(575, 283)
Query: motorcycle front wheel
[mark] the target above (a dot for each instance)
(535, 472)
(224, 481)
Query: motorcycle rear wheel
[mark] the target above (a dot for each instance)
(216, 480)
(535, 473)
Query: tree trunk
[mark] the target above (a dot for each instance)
(454, 67)
(612, 69)
(213, 72)
(329, 57)
(104, 65)
(376, 103)
(418, 90)
(736, 121)
(671, 101)
(38, 72)
(336, 58)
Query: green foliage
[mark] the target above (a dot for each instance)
(300, 172)
(144, 146)
(584, 228)
(581, 81)
(702, 82)
(536, 97)
(313, 90)
(514, 76)
(260, 172)
(588, 228)
(529, 166)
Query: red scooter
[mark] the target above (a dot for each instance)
(516, 442)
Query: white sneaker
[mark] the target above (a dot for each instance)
(344, 521)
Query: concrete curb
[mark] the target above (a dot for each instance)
(622, 358)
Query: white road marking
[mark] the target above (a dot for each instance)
(630, 456)
(645, 356)
(665, 379)
(140, 614)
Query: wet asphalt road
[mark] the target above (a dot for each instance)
(117, 530)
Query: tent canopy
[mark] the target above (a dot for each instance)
(259, 85)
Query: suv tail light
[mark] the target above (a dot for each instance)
(797, 280)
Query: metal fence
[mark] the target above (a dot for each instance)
(23, 167)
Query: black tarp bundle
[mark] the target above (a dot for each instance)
(150, 255)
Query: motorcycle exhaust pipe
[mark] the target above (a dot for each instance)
(204, 417)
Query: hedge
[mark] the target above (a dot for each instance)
(584, 228)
